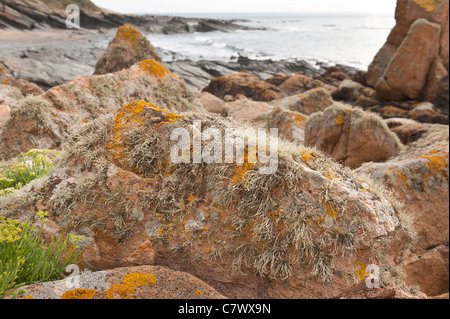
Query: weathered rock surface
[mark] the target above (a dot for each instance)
(408, 131)
(351, 136)
(212, 104)
(250, 112)
(25, 87)
(430, 271)
(244, 84)
(128, 47)
(411, 64)
(45, 121)
(247, 234)
(145, 282)
(420, 178)
(290, 125)
(406, 75)
(311, 101)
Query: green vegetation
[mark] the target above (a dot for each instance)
(30, 166)
(25, 259)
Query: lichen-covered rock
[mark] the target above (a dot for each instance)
(45, 121)
(419, 176)
(290, 125)
(251, 112)
(303, 231)
(128, 47)
(300, 83)
(244, 84)
(426, 112)
(351, 136)
(145, 282)
(309, 102)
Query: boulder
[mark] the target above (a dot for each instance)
(406, 75)
(426, 112)
(408, 131)
(212, 104)
(248, 111)
(128, 47)
(351, 135)
(45, 121)
(419, 176)
(334, 76)
(300, 83)
(311, 101)
(290, 125)
(145, 282)
(245, 84)
(299, 231)
(401, 69)
(429, 270)
(351, 91)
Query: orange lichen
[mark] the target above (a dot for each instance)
(428, 5)
(308, 156)
(138, 280)
(361, 273)
(120, 291)
(79, 294)
(27, 297)
(154, 68)
(127, 33)
(339, 119)
(171, 118)
(435, 163)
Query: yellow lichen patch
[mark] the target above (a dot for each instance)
(120, 291)
(298, 119)
(199, 293)
(79, 294)
(435, 163)
(127, 33)
(126, 116)
(361, 273)
(331, 212)
(154, 68)
(308, 156)
(27, 297)
(339, 119)
(138, 280)
(428, 5)
(171, 118)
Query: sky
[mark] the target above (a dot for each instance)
(245, 6)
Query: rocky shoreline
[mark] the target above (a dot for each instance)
(360, 191)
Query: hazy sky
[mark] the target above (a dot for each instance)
(229, 6)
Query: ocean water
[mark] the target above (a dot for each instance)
(351, 39)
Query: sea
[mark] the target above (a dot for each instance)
(350, 39)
